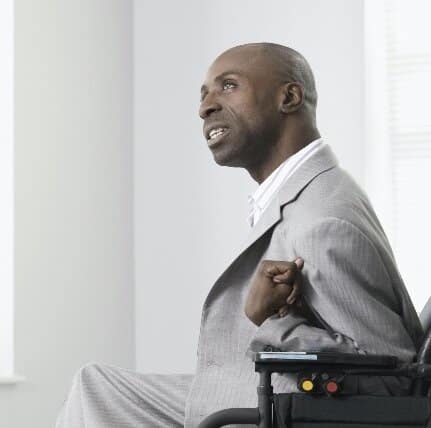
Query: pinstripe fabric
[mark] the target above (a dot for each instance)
(351, 283)
(104, 396)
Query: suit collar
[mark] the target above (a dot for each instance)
(321, 161)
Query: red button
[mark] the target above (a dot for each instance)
(331, 387)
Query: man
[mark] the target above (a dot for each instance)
(258, 104)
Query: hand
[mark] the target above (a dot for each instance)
(275, 286)
(295, 278)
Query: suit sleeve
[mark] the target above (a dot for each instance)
(348, 288)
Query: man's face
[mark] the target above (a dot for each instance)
(239, 108)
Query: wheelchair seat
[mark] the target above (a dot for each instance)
(320, 402)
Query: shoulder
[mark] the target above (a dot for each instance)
(331, 197)
(330, 231)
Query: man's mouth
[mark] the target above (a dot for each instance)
(215, 135)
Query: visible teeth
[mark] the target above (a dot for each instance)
(216, 132)
(215, 135)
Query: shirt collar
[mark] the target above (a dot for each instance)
(260, 198)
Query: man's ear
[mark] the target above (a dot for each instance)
(292, 97)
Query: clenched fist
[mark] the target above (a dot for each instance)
(275, 286)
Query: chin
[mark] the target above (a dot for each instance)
(230, 153)
(231, 161)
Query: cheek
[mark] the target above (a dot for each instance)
(253, 117)
(250, 118)
(258, 123)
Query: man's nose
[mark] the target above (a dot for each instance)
(208, 106)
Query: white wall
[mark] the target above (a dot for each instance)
(74, 274)
(189, 213)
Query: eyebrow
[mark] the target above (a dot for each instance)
(221, 76)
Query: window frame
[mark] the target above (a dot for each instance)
(7, 369)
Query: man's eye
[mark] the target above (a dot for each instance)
(227, 84)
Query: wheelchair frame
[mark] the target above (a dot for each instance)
(263, 416)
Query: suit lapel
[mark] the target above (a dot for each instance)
(323, 160)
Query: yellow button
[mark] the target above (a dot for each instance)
(307, 385)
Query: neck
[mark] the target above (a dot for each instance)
(288, 145)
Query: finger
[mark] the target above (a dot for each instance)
(286, 277)
(294, 294)
(299, 262)
(289, 275)
(278, 265)
(297, 286)
(283, 311)
(271, 269)
(280, 294)
(286, 268)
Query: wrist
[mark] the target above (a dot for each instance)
(255, 316)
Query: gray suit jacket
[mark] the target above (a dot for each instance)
(352, 285)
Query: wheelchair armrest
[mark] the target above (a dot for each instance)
(357, 364)
(318, 358)
(294, 362)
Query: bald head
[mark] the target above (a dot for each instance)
(258, 104)
(283, 64)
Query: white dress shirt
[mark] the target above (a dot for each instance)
(269, 187)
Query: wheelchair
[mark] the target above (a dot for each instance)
(320, 401)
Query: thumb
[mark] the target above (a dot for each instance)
(299, 262)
